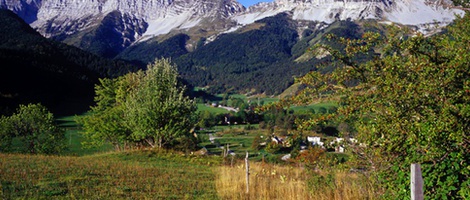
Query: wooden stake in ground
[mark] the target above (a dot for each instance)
(247, 173)
(416, 182)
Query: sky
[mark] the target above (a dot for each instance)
(248, 3)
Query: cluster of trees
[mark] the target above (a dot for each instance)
(246, 114)
(145, 108)
(279, 115)
(410, 103)
(17, 36)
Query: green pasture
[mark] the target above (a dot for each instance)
(124, 175)
(214, 110)
(238, 140)
(75, 139)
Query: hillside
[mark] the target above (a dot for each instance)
(36, 69)
(219, 43)
(260, 58)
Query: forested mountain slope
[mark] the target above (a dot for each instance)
(220, 44)
(36, 69)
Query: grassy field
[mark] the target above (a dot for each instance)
(238, 140)
(150, 174)
(135, 175)
(100, 173)
(159, 174)
(75, 139)
(266, 181)
(270, 181)
(214, 110)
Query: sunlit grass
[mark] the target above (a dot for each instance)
(135, 175)
(74, 138)
(269, 181)
(147, 174)
(214, 110)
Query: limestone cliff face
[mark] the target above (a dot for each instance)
(409, 12)
(133, 18)
(120, 23)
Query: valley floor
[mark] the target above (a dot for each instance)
(152, 174)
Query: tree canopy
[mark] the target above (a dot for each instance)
(410, 103)
(143, 108)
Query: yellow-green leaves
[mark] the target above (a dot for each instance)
(408, 101)
(142, 108)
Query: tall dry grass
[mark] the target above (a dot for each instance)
(268, 181)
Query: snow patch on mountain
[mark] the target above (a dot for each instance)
(151, 18)
(407, 12)
(160, 26)
(420, 12)
(162, 16)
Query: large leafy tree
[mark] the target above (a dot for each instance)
(105, 123)
(410, 103)
(34, 125)
(142, 108)
(158, 112)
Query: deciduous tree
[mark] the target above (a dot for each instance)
(158, 111)
(142, 108)
(409, 104)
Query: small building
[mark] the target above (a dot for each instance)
(315, 141)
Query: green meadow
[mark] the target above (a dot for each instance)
(142, 174)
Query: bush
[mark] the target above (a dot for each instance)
(34, 125)
(273, 147)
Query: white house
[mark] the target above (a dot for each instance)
(315, 141)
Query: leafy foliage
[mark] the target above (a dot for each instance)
(36, 128)
(409, 104)
(157, 111)
(106, 124)
(142, 108)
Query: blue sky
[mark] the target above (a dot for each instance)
(247, 3)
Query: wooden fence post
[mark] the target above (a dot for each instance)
(416, 182)
(247, 173)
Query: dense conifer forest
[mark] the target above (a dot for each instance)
(36, 69)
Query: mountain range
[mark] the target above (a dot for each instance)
(220, 43)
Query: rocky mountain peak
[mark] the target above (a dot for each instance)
(122, 23)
